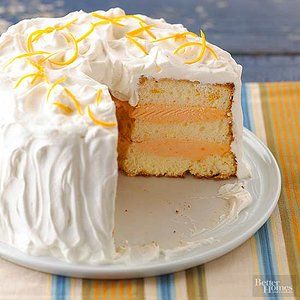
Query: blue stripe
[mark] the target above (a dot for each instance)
(246, 118)
(166, 287)
(264, 240)
(265, 249)
(60, 288)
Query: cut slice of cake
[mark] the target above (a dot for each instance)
(178, 126)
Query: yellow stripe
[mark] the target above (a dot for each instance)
(284, 131)
(104, 289)
(113, 288)
(96, 289)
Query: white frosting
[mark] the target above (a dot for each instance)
(57, 191)
(58, 172)
(237, 196)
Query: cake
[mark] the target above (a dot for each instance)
(88, 93)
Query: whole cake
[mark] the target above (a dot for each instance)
(86, 94)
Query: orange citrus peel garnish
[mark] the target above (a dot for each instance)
(67, 25)
(74, 100)
(203, 48)
(142, 29)
(99, 96)
(65, 108)
(176, 36)
(130, 17)
(37, 34)
(25, 55)
(28, 76)
(141, 47)
(54, 85)
(72, 58)
(87, 33)
(107, 19)
(97, 121)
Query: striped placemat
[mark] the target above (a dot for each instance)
(272, 112)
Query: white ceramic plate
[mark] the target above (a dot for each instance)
(169, 211)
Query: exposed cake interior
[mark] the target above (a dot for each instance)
(178, 127)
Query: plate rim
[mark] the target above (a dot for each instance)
(155, 269)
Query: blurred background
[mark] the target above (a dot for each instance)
(262, 35)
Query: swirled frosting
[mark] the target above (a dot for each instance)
(57, 120)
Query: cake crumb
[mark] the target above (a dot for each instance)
(177, 211)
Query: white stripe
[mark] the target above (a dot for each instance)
(150, 288)
(256, 108)
(231, 276)
(180, 286)
(76, 289)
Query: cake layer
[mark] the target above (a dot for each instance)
(195, 150)
(184, 92)
(138, 162)
(218, 131)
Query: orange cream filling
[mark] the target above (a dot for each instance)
(162, 114)
(195, 150)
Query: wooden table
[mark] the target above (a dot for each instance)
(262, 35)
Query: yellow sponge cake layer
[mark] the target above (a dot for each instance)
(217, 131)
(184, 92)
(177, 127)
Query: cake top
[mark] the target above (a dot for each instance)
(67, 66)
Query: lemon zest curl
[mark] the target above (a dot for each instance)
(74, 100)
(65, 108)
(97, 121)
(135, 42)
